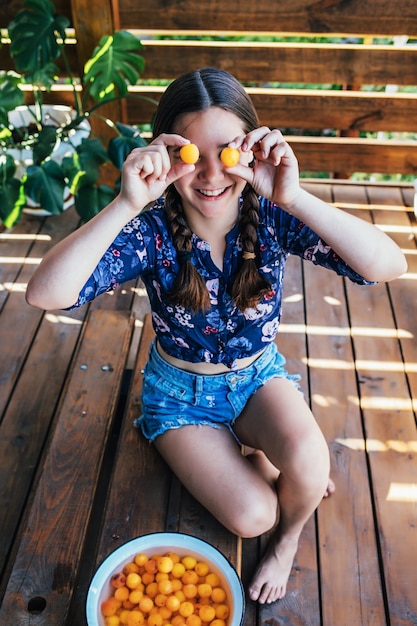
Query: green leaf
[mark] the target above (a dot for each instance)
(35, 33)
(91, 200)
(45, 76)
(78, 173)
(10, 94)
(81, 169)
(121, 146)
(114, 65)
(45, 184)
(45, 144)
(92, 153)
(7, 168)
(12, 200)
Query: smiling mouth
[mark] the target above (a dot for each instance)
(212, 193)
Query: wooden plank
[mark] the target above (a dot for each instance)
(341, 110)
(265, 62)
(400, 225)
(388, 418)
(29, 414)
(390, 415)
(357, 16)
(18, 319)
(301, 604)
(390, 424)
(48, 558)
(319, 154)
(10, 8)
(286, 108)
(137, 491)
(127, 517)
(351, 591)
(14, 247)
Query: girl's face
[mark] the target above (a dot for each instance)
(210, 192)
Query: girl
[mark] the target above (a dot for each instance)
(211, 249)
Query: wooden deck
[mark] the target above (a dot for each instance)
(76, 480)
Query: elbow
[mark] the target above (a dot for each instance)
(41, 299)
(33, 299)
(393, 268)
(404, 267)
(398, 268)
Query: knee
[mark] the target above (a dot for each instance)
(255, 519)
(308, 460)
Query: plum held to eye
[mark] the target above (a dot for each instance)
(189, 154)
(230, 156)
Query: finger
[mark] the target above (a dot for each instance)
(149, 165)
(282, 153)
(170, 139)
(237, 142)
(254, 137)
(272, 146)
(177, 171)
(243, 171)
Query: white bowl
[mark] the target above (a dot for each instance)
(100, 588)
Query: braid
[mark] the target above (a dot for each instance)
(249, 286)
(189, 289)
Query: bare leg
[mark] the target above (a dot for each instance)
(271, 473)
(289, 436)
(209, 463)
(245, 496)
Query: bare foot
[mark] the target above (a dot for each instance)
(271, 576)
(270, 580)
(331, 488)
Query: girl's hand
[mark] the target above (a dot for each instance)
(148, 171)
(274, 173)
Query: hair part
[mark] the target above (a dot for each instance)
(194, 92)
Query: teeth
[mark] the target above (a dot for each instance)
(212, 193)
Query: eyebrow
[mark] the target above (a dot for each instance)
(175, 149)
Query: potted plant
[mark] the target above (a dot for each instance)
(32, 134)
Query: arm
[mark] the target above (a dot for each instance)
(66, 268)
(363, 246)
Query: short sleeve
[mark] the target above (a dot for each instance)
(300, 240)
(125, 259)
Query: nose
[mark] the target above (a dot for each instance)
(211, 168)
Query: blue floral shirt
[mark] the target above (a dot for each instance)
(224, 333)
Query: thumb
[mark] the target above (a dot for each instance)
(243, 171)
(178, 171)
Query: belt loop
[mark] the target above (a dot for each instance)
(198, 385)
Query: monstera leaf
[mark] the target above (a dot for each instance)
(12, 200)
(128, 139)
(12, 193)
(35, 34)
(81, 168)
(10, 94)
(114, 64)
(91, 200)
(45, 184)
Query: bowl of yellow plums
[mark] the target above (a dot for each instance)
(165, 579)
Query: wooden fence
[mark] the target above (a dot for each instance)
(318, 93)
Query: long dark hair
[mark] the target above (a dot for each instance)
(194, 92)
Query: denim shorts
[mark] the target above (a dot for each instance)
(172, 397)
